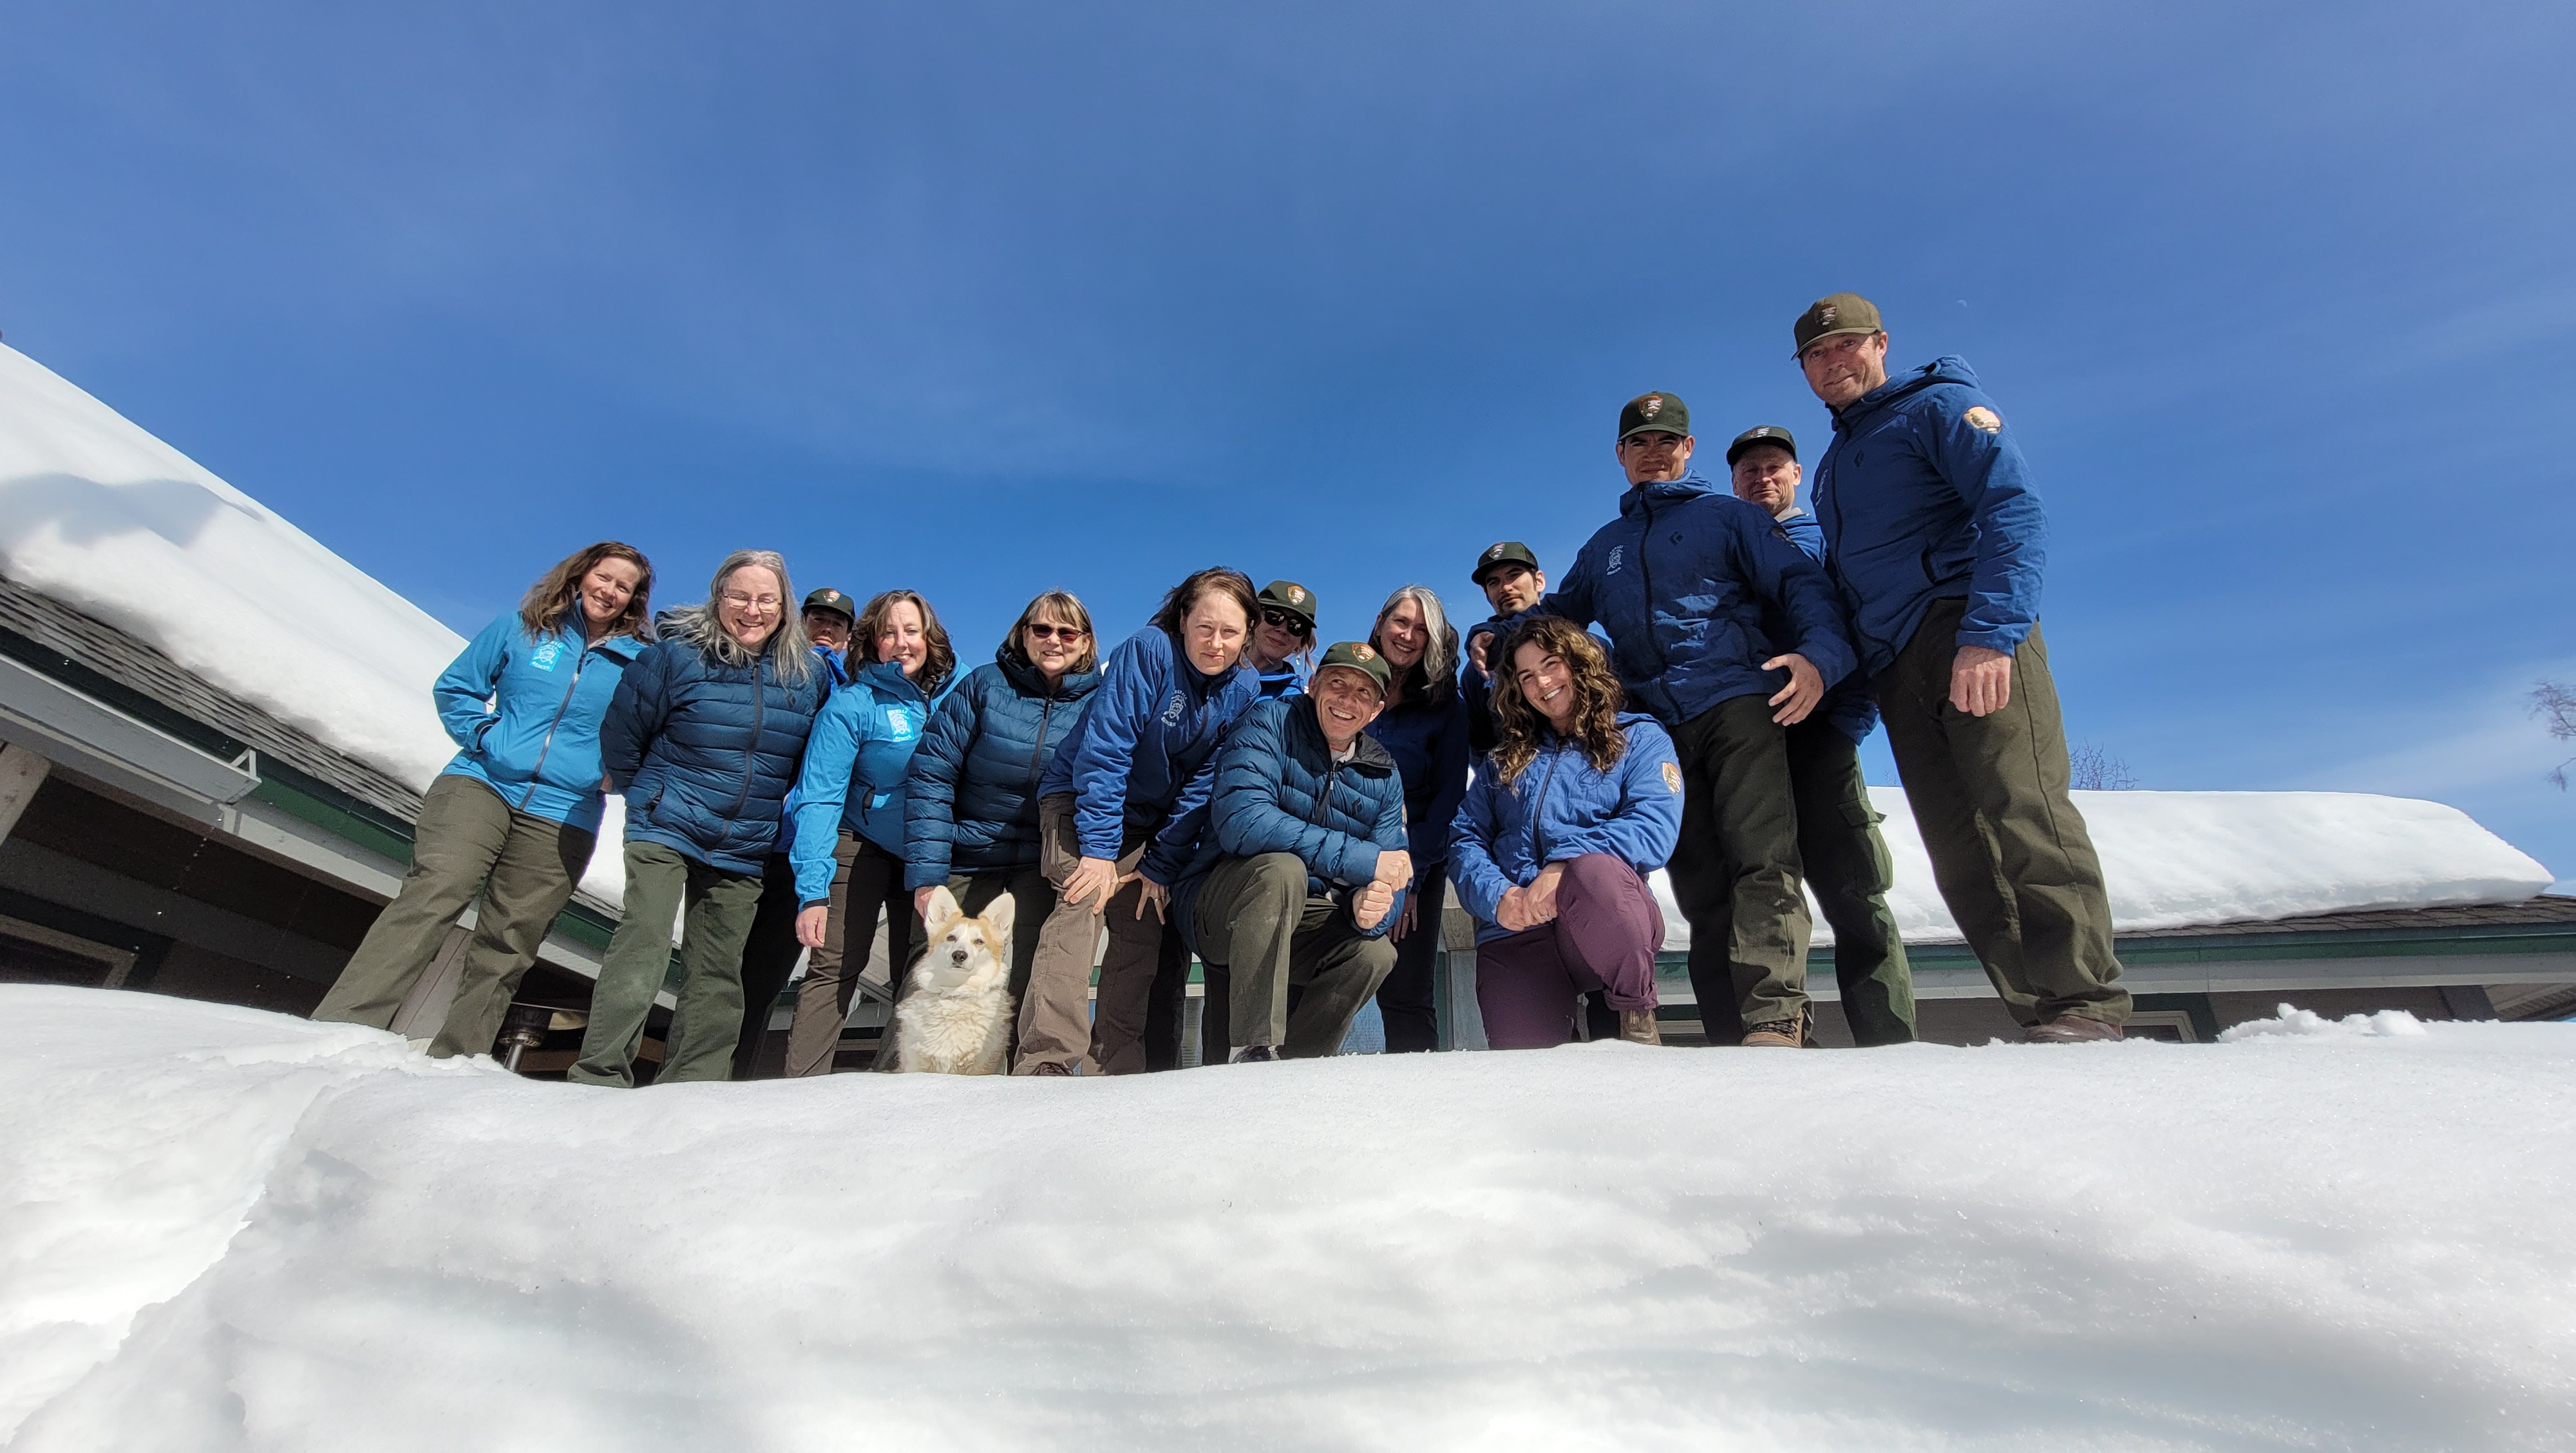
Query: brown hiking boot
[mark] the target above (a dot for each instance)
(1777, 1034)
(1637, 1026)
(2071, 1029)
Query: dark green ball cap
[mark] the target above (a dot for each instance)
(1499, 553)
(1359, 656)
(1658, 412)
(1289, 596)
(1834, 314)
(834, 601)
(1771, 434)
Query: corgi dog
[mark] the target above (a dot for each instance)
(956, 1017)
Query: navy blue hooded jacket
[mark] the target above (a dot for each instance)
(1682, 580)
(1563, 807)
(971, 801)
(706, 752)
(1142, 755)
(1428, 740)
(1923, 496)
(1278, 790)
(1848, 705)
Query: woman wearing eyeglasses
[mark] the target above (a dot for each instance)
(1283, 639)
(849, 807)
(971, 796)
(703, 738)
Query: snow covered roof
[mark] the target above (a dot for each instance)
(104, 517)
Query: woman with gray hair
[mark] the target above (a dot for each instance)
(703, 737)
(1424, 727)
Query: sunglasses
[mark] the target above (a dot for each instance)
(1285, 620)
(1045, 632)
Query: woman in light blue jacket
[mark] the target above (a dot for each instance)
(514, 816)
(848, 817)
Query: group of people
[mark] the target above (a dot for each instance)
(1220, 784)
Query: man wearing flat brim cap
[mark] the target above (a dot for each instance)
(1849, 870)
(1725, 633)
(1304, 865)
(1507, 571)
(1936, 542)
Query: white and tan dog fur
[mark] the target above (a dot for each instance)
(956, 1017)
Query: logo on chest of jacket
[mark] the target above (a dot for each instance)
(1615, 552)
(1172, 710)
(1672, 777)
(899, 722)
(547, 655)
(1984, 418)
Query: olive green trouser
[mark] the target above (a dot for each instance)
(1253, 916)
(721, 905)
(2009, 851)
(1736, 872)
(467, 840)
(1849, 871)
(1055, 1013)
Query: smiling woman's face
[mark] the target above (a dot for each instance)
(1547, 683)
(751, 605)
(1051, 643)
(904, 639)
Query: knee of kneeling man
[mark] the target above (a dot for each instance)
(1280, 868)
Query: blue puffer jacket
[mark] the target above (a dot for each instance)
(1428, 741)
(971, 797)
(1848, 705)
(1563, 808)
(1923, 496)
(705, 752)
(526, 711)
(1278, 790)
(1143, 754)
(1681, 580)
(854, 772)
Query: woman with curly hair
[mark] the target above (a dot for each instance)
(848, 818)
(1577, 803)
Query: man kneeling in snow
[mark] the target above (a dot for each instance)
(1302, 867)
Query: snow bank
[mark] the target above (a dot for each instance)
(220, 1229)
(2176, 859)
(117, 524)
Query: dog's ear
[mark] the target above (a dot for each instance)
(997, 915)
(943, 907)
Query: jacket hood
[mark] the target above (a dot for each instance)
(1032, 682)
(1689, 486)
(1948, 368)
(887, 676)
(1365, 751)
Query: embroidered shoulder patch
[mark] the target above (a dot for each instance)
(1984, 418)
(1672, 777)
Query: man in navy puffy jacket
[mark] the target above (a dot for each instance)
(1691, 582)
(1936, 542)
(1847, 863)
(1305, 863)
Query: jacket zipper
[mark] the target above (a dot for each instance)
(1646, 573)
(750, 754)
(1038, 752)
(549, 744)
(1540, 804)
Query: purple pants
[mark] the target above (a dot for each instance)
(1606, 932)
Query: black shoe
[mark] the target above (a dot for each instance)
(1049, 1069)
(2071, 1029)
(1253, 1054)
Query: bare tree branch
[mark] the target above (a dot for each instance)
(2555, 704)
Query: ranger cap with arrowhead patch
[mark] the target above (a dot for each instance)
(1359, 656)
(1293, 598)
(1834, 315)
(833, 601)
(1654, 413)
(1499, 554)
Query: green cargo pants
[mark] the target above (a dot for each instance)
(1849, 871)
(1735, 870)
(1253, 916)
(709, 1017)
(467, 840)
(2009, 851)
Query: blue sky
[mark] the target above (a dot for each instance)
(983, 299)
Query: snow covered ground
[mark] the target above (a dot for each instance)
(221, 1229)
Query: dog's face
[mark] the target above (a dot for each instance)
(965, 950)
